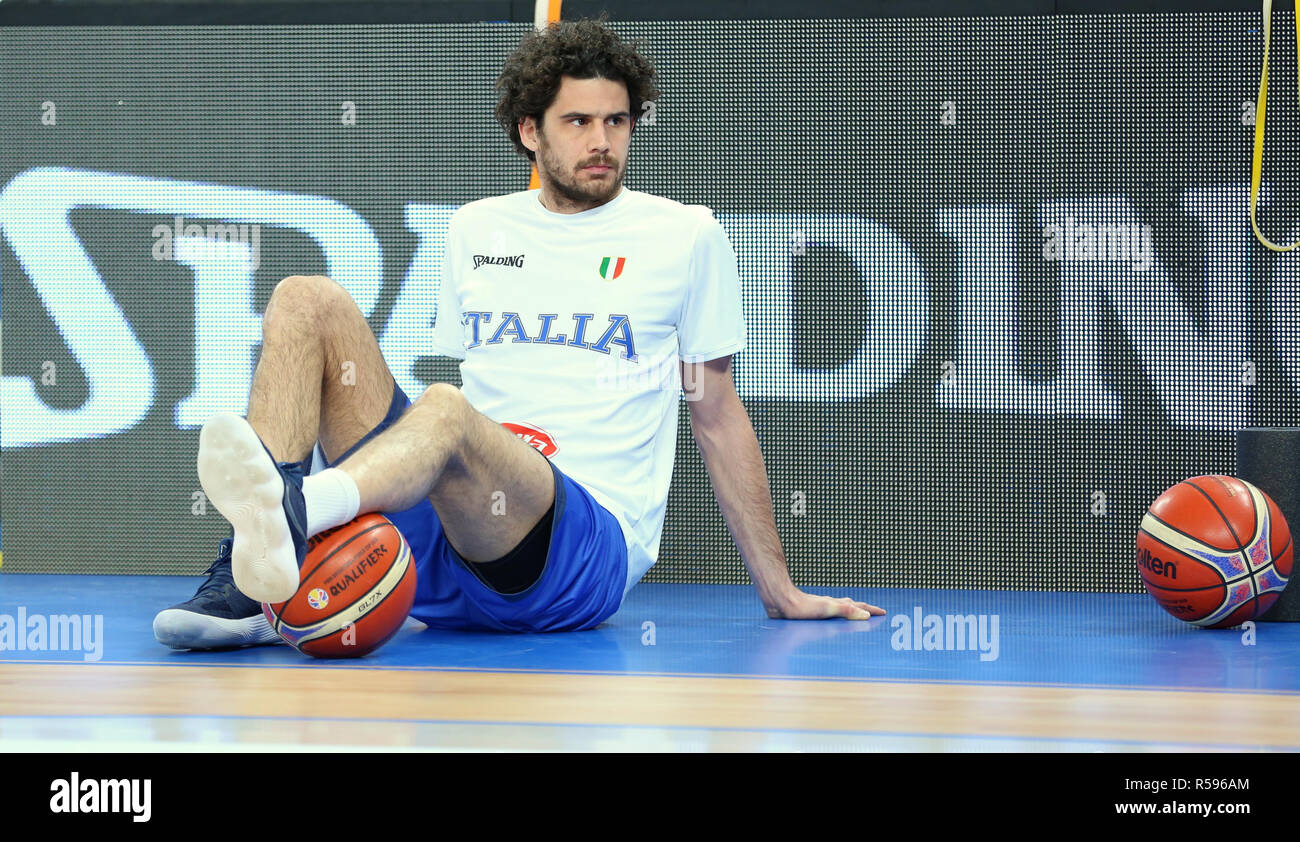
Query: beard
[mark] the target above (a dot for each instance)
(576, 188)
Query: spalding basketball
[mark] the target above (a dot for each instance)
(356, 587)
(1214, 551)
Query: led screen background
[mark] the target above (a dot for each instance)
(942, 400)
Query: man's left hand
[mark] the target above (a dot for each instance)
(803, 606)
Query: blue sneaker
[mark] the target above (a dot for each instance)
(263, 502)
(217, 617)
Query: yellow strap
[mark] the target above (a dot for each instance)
(1257, 163)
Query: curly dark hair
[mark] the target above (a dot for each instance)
(583, 49)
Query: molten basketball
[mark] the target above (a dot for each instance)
(357, 586)
(1214, 551)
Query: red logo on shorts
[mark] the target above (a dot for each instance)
(534, 437)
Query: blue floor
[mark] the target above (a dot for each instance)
(1095, 640)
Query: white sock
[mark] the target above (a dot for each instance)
(332, 499)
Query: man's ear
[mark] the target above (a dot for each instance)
(524, 123)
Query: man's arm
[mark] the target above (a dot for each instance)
(735, 464)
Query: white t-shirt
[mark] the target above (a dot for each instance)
(572, 326)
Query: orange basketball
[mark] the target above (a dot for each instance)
(357, 586)
(1214, 551)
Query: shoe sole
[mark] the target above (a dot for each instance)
(181, 629)
(243, 483)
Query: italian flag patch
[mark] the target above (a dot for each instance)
(612, 267)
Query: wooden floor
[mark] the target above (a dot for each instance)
(111, 704)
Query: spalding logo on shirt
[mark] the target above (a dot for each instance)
(516, 261)
(534, 437)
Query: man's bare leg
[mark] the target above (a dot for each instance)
(321, 376)
(488, 487)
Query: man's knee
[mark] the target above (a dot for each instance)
(442, 398)
(315, 297)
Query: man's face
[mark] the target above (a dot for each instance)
(582, 143)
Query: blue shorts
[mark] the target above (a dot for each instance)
(581, 584)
